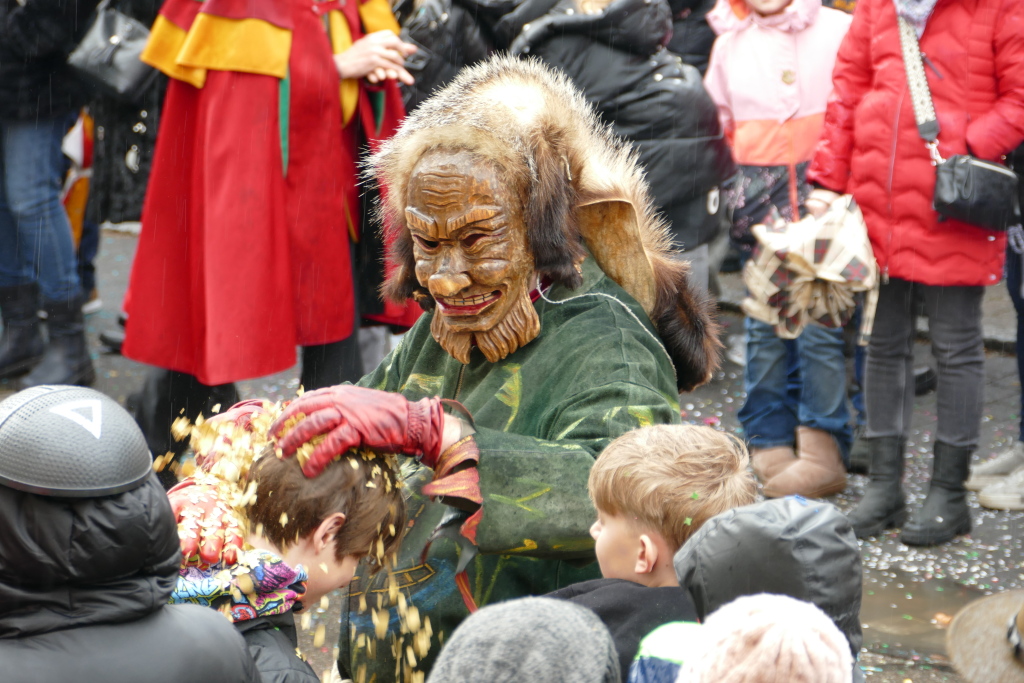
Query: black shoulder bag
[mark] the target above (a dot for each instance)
(108, 54)
(968, 189)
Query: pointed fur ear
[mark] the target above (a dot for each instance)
(658, 280)
(612, 233)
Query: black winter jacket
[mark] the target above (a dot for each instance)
(692, 38)
(451, 34)
(84, 585)
(629, 610)
(272, 641)
(35, 41)
(649, 96)
(125, 139)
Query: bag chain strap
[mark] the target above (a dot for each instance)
(920, 94)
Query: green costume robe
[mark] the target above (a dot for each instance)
(597, 370)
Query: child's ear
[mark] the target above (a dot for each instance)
(648, 557)
(324, 534)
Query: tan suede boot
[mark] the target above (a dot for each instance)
(767, 462)
(818, 471)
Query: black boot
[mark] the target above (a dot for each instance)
(21, 345)
(883, 505)
(325, 365)
(944, 514)
(860, 454)
(167, 395)
(67, 359)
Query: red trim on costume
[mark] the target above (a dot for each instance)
(322, 8)
(470, 525)
(181, 13)
(277, 13)
(463, 484)
(462, 583)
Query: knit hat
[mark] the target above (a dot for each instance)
(984, 640)
(531, 639)
(767, 639)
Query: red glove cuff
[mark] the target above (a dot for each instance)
(426, 429)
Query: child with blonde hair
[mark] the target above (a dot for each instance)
(653, 488)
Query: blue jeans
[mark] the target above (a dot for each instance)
(773, 410)
(35, 235)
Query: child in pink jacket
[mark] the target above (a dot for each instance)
(770, 75)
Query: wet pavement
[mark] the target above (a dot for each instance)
(909, 593)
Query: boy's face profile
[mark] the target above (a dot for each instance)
(316, 553)
(616, 543)
(626, 551)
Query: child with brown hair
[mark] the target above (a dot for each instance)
(653, 488)
(303, 536)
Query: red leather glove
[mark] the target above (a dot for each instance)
(207, 528)
(350, 417)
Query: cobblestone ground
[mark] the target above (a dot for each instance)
(910, 594)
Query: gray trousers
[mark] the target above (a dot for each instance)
(954, 323)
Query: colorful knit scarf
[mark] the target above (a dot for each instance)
(916, 12)
(260, 585)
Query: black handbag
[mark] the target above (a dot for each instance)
(108, 54)
(968, 189)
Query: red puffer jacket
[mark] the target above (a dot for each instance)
(870, 146)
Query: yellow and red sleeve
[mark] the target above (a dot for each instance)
(189, 38)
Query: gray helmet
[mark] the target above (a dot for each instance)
(70, 442)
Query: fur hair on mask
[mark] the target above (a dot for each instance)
(547, 143)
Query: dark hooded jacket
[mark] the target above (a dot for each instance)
(630, 610)
(35, 39)
(617, 58)
(649, 96)
(788, 546)
(273, 644)
(84, 585)
(692, 38)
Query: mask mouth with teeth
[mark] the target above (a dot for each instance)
(471, 254)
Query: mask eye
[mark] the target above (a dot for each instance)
(470, 240)
(429, 245)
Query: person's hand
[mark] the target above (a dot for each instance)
(819, 200)
(337, 419)
(376, 57)
(208, 530)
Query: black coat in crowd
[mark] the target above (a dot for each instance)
(629, 610)
(692, 38)
(35, 40)
(84, 585)
(617, 58)
(125, 139)
(273, 643)
(649, 96)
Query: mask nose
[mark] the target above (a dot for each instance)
(448, 284)
(450, 278)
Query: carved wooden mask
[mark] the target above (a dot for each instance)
(472, 254)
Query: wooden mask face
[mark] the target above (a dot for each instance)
(472, 255)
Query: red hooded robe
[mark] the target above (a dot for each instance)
(253, 197)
